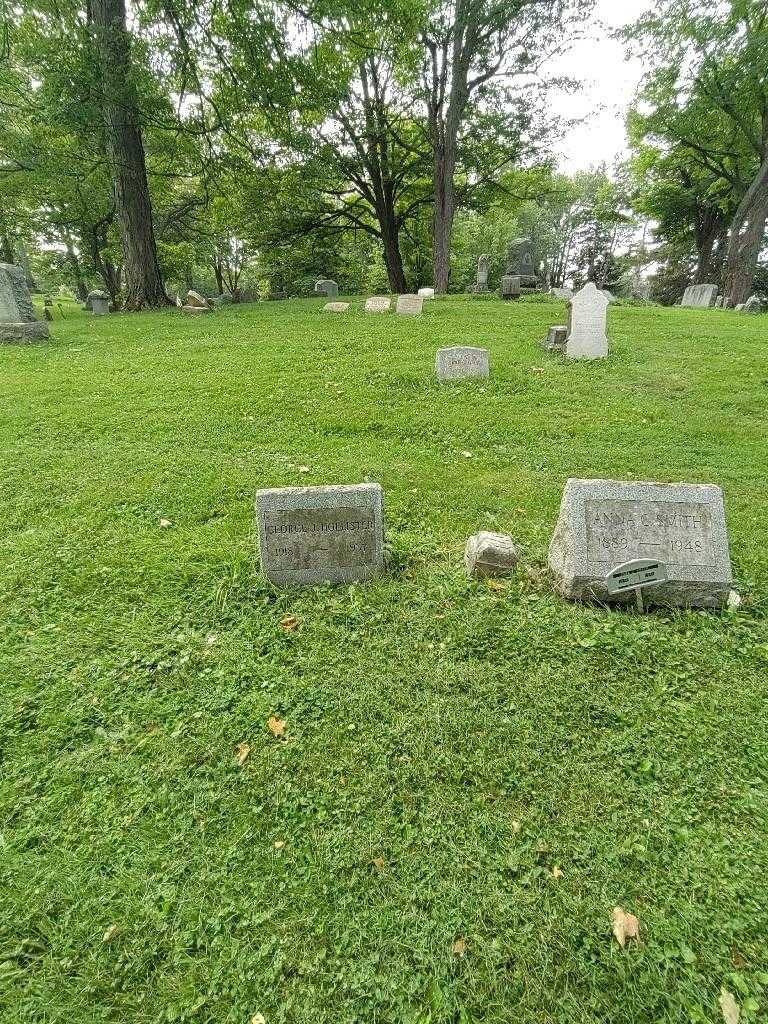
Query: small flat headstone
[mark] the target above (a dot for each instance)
(458, 362)
(378, 304)
(195, 310)
(700, 296)
(557, 337)
(587, 338)
(410, 305)
(336, 307)
(490, 554)
(100, 306)
(311, 535)
(511, 287)
(607, 523)
(426, 293)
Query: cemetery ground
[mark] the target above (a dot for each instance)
(414, 800)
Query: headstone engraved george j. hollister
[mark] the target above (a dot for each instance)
(311, 535)
(607, 523)
(454, 363)
(587, 336)
(18, 322)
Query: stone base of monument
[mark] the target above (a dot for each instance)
(604, 523)
(195, 310)
(556, 339)
(490, 554)
(24, 333)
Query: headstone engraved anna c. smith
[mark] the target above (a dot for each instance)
(311, 535)
(605, 523)
(454, 363)
(18, 322)
(587, 337)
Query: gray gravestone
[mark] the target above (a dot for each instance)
(455, 363)
(378, 304)
(409, 305)
(426, 293)
(490, 554)
(18, 322)
(754, 304)
(700, 296)
(310, 535)
(481, 284)
(605, 523)
(327, 288)
(511, 287)
(520, 262)
(556, 338)
(336, 307)
(587, 337)
(561, 293)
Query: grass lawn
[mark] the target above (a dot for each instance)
(447, 744)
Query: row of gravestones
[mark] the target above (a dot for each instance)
(406, 305)
(705, 296)
(615, 541)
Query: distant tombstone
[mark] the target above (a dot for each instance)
(566, 294)
(426, 293)
(481, 283)
(336, 307)
(520, 262)
(587, 337)
(458, 362)
(511, 287)
(556, 338)
(754, 304)
(410, 305)
(605, 524)
(196, 310)
(327, 288)
(700, 296)
(311, 535)
(378, 304)
(100, 305)
(18, 323)
(719, 302)
(196, 299)
(490, 554)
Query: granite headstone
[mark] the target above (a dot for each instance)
(587, 335)
(455, 363)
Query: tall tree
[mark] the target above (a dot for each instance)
(474, 49)
(143, 283)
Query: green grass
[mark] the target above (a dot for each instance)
(470, 738)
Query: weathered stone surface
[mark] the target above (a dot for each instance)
(511, 287)
(195, 310)
(454, 363)
(327, 288)
(587, 337)
(196, 299)
(481, 281)
(378, 304)
(754, 304)
(18, 323)
(719, 302)
(556, 338)
(605, 523)
(24, 333)
(701, 296)
(99, 306)
(336, 307)
(490, 554)
(410, 305)
(310, 535)
(565, 294)
(426, 293)
(520, 262)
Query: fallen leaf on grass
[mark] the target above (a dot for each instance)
(460, 947)
(379, 863)
(242, 753)
(557, 872)
(111, 933)
(289, 623)
(258, 1018)
(516, 826)
(279, 844)
(276, 726)
(165, 523)
(625, 926)
(729, 1006)
(497, 586)
(304, 469)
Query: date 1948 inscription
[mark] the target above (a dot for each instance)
(675, 532)
(319, 538)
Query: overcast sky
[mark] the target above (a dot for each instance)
(608, 86)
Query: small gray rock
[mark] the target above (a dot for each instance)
(490, 554)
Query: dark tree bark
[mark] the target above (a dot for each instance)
(710, 224)
(747, 237)
(77, 275)
(143, 280)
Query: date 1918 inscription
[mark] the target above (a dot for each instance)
(676, 532)
(319, 538)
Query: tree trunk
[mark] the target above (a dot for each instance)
(745, 243)
(393, 259)
(77, 275)
(217, 273)
(143, 280)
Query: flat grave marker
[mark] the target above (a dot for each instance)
(378, 304)
(460, 361)
(410, 305)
